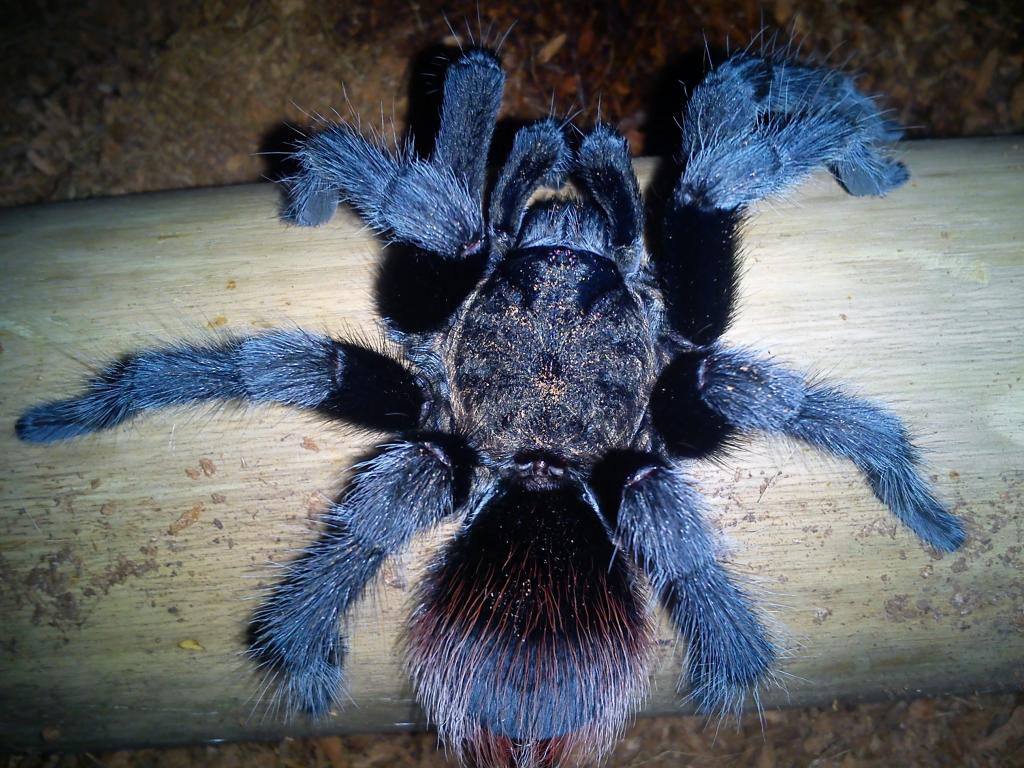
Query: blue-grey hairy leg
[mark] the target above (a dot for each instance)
(539, 158)
(296, 633)
(755, 394)
(661, 524)
(864, 169)
(433, 204)
(603, 165)
(472, 96)
(698, 267)
(294, 368)
(411, 200)
(337, 162)
(757, 126)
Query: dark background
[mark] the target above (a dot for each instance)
(104, 98)
(108, 98)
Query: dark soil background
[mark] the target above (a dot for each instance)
(105, 98)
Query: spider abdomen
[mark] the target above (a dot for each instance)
(553, 356)
(530, 636)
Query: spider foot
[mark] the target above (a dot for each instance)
(51, 422)
(305, 679)
(730, 654)
(906, 493)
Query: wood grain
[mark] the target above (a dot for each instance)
(130, 560)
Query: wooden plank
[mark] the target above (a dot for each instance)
(129, 560)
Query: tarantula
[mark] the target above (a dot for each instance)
(559, 371)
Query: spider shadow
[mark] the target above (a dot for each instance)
(277, 148)
(662, 130)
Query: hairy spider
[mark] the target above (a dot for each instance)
(559, 372)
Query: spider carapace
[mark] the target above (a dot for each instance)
(552, 363)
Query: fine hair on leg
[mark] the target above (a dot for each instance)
(752, 393)
(296, 633)
(660, 523)
(297, 368)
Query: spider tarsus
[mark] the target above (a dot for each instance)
(308, 686)
(50, 423)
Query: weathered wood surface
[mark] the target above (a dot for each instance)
(129, 559)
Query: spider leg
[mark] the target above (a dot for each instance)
(604, 167)
(539, 158)
(408, 486)
(754, 129)
(410, 200)
(699, 268)
(751, 393)
(660, 523)
(431, 204)
(472, 96)
(295, 368)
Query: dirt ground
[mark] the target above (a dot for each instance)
(972, 732)
(104, 98)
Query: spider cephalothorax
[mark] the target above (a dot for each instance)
(558, 372)
(553, 356)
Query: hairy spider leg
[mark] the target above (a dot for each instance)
(472, 96)
(297, 368)
(430, 210)
(539, 158)
(698, 267)
(860, 166)
(433, 204)
(754, 128)
(408, 486)
(752, 393)
(659, 522)
(689, 427)
(604, 167)
(407, 199)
